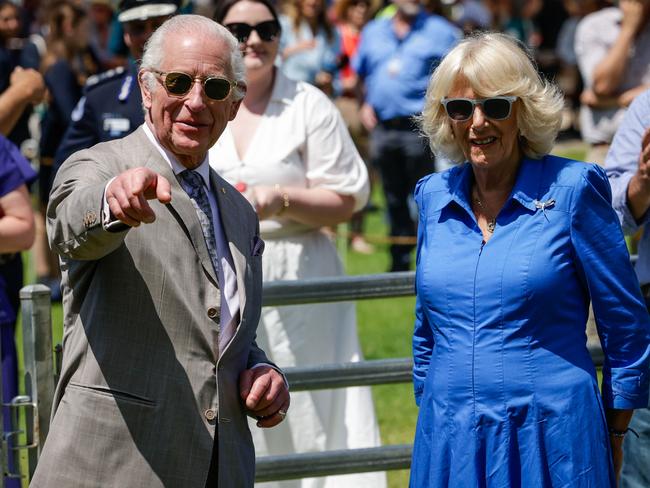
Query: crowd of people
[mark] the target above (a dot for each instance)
(233, 139)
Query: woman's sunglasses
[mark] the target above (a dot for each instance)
(268, 30)
(178, 84)
(462, 109)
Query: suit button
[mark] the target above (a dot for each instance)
(89, 219)
(213, 313)
(210, 414)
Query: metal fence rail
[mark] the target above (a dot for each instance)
(345, 461)
(39, 373)
(363, 373)
(367, 373)
(337, 289)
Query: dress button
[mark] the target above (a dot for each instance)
(213, 312)
(210, 414)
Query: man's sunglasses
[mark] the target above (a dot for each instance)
(178, 84)
(462, 109)
(268, 30)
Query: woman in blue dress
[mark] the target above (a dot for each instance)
(513, 245)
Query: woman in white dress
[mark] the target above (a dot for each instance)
(289, 152)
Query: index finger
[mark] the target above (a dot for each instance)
(163, 190)
(145, 182)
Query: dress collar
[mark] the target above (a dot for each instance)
(525, 190)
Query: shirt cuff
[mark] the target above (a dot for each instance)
(629, 389)
(109, 222)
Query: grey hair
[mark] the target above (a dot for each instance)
(154, 49)
(493, 64)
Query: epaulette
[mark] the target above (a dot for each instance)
(101, 78)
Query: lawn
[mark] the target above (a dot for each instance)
(385, 328)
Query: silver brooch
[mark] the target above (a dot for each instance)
(544, 205)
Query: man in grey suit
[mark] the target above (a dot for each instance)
(161, 263)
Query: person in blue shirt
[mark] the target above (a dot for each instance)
(628, 168)
(16, 234)
(112, 106)
(395, 58)
(513, 246)
(310, 46)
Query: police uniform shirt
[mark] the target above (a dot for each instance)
(110, 108)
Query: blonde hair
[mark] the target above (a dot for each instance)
(493, 64)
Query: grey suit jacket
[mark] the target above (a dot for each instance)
(143, 391)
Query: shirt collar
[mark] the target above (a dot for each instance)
(527, 186)
(525, 190)
(203, 169)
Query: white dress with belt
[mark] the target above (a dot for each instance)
(301, 141)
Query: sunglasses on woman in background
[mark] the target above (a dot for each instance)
(268, 30)
(179, 84)
(462, 109)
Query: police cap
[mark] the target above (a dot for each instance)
(144, 9)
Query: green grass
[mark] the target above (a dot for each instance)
(385, 328)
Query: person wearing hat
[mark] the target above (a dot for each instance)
(112, 106)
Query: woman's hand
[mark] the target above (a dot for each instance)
(315, 207)
(266, 200)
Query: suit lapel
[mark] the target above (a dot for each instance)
(181, 205)
(234, 231)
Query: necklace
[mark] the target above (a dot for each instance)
(491, 221)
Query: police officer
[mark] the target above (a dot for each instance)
(112, 106)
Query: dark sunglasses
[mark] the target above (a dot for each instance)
(462, 109)
(268, 30)
(178, 84)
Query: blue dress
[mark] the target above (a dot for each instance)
(507, 391)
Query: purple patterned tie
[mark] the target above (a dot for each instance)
(192, 183)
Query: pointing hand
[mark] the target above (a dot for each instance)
(128, 193)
